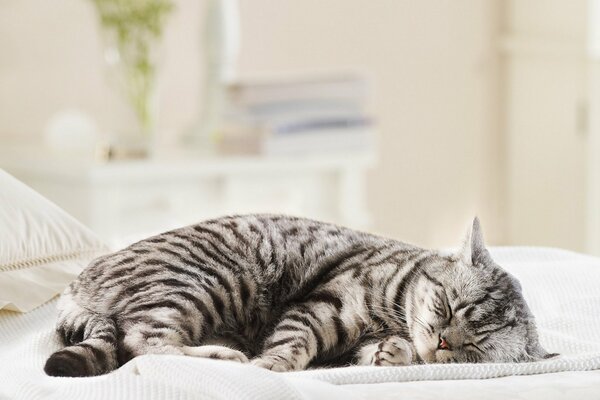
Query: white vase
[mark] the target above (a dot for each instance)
(132, 33)
(221, 48)
(134, 126)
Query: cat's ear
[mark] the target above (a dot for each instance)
(473, 250)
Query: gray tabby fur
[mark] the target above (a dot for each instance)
(287, 293)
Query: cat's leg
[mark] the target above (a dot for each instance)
(218, 349)
(390, 351)
(298, 337)
(167, 321)
(215, 352)
(152, 338)
(167, 336)
(138, 342)
(157, 330)
(170, 344)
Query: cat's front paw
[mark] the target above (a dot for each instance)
(273, 363)
(392, 350)
(215, 352)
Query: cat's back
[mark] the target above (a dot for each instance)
(273, 251)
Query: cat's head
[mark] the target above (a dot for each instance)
(465, 308)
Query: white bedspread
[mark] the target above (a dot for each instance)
(562, 288)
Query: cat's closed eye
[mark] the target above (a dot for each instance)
(442, 308)
(473, 346)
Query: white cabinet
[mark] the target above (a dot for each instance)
(548, 104)
(127, 201)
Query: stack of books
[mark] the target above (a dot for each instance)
(297, 117)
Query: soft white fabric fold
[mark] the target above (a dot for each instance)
(24, 289)
(42, 248)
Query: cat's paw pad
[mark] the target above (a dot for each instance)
(273, 363)
(392, 350)
(216, 353)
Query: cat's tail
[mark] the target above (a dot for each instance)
(91, 341)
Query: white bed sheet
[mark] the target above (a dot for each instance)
(558, 386)
(562, 288)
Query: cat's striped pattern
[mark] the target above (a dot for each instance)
(283, 291)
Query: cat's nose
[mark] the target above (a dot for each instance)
(442, 344)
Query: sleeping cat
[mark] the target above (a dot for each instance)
(287, 293)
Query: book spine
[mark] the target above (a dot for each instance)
(269, 94)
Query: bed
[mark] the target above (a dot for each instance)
(562, 288)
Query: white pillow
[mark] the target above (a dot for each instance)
(42, 248)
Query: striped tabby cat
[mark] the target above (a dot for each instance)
(287, 293)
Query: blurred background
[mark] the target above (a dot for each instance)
(404, 118)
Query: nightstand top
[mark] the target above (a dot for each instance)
(51, 165)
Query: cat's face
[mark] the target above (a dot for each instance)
(465, 308)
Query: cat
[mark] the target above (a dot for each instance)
(287, 293)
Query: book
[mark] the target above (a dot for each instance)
(348, 88)
(297, 116)
(326, 141)
(312, 139)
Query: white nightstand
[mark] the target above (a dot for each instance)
(124, 201)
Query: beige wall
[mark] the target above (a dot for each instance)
(51, 58)
(432, 63)
(435, 96)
